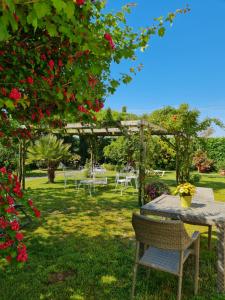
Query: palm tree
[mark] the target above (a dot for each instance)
(49, 150)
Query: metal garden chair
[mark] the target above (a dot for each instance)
(167, 245)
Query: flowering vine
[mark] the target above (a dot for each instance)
(12, 247)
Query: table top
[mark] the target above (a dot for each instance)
(203, 211)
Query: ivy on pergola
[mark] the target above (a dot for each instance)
(122, 128)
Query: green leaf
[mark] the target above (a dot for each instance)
(42, 9)
(52, 30)
(161, 31)
(69, 10)
(3, 32)
(58, 4)
(10, 4)
(60, 96)
(9, 104)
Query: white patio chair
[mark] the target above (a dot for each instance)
(123, 181)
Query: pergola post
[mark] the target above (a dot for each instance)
(141, 177)
(21, 163)
(92, 154)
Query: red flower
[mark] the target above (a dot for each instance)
(15, 225)
(43, 57)
(3, 223)
(19, 236)
(10, 200)
(60, 63)
(30, 80)
(3, 170)
(1, 68)
(22, 254)
(15, 94)
(6, 244)
(1, 134)
(108, 37)
(9, 258)
(11, 210)
(36, 212)
(16, 17)
(3, 91)
(30, 202)
(80, 2)
(48, 112)
(51, 64)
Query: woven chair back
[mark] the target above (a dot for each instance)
(164, 234)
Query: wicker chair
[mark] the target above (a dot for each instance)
(166, 246)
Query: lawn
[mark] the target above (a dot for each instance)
(83, 248)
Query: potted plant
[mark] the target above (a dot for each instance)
(185, 191)
(155, 189)
(221, 167)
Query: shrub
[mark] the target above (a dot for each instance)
(156, 189)
(109, 167)
(202, 162)
(220, 165)
(195, 178)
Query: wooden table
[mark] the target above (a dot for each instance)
(203, 211)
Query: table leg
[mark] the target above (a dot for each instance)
(221, 258)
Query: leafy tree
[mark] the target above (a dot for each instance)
(185, 125)
(55, 56)
(214, 146)
(50, 151)
(123, 150)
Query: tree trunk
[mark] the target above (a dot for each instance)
(51, 173)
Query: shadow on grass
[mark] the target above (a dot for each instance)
(88, 243)
(99, 268)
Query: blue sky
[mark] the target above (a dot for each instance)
(186, 65)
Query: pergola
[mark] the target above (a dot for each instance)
(121, 128)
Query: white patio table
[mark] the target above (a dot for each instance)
(203, 211)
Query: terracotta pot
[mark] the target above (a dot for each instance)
(185, 201)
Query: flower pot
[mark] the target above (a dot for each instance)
(185, 201)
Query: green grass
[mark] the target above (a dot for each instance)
(83, 248)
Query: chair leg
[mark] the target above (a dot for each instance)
(134, 281)
(179, 287)
(197, 246)
(209, 236)
(180, 275)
